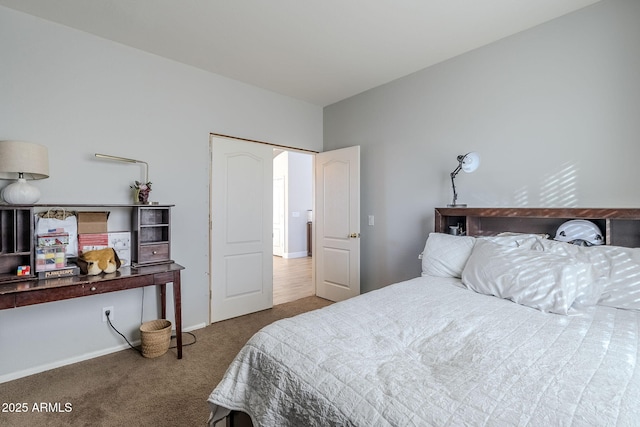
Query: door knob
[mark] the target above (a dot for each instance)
(354, 235)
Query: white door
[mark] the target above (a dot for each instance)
(241, 228)
(278, 215)
(337, 224)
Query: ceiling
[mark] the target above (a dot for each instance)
(317, 51)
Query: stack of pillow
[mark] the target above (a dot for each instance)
(532, 270)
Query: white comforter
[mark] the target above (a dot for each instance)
(427, 352)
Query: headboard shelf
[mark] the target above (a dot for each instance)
(621, 227)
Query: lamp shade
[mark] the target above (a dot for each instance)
(26, 158)
(470, 162)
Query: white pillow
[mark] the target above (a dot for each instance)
(540, 280)
(445, 255)
(617, 267)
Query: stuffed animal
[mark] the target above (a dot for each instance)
(98, 261)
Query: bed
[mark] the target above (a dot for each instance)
(514, 329)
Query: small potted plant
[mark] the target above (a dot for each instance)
(141, 192)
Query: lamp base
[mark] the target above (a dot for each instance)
(21, 193)
(461, 205)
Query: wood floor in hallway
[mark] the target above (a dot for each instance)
(291, 279)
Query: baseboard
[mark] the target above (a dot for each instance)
(295, 255)
(71, 360)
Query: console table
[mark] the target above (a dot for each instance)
(38, 291)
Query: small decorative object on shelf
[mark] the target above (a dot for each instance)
(141, 192)
(24, 270)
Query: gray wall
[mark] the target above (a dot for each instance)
(296, 170)
(553, 111)
(300, 188)
(79, 95)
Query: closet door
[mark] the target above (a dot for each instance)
(241, 227)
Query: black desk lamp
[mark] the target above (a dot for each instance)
(468, 163)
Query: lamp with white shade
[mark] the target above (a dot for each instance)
(22, 161)
(468, 163)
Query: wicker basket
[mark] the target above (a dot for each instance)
(155, 336)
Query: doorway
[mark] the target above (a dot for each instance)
(241, 225)
(292, 220)
(292, 279)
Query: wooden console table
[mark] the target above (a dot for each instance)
(33, 291)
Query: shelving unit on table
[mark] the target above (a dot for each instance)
(152, 234)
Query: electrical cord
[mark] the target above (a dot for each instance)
(183, 344)
(125, 338)
(138, 349)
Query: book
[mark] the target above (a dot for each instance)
(72, 270)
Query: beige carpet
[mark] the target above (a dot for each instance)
(125, 389)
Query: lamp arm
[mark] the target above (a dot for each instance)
(127, 160)
(453, 183)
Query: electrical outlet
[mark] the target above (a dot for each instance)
(104, 313)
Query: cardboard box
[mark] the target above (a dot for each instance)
(93, 241)
(120, 241)
(92, 222)
(71, 270)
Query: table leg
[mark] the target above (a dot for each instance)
(163, 300)
(178, 311)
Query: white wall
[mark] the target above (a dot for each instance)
(554, 112)
(297, 170)
(280, 200)
(300, 195)
(78, 95)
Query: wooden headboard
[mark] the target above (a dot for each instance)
(621, 227)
